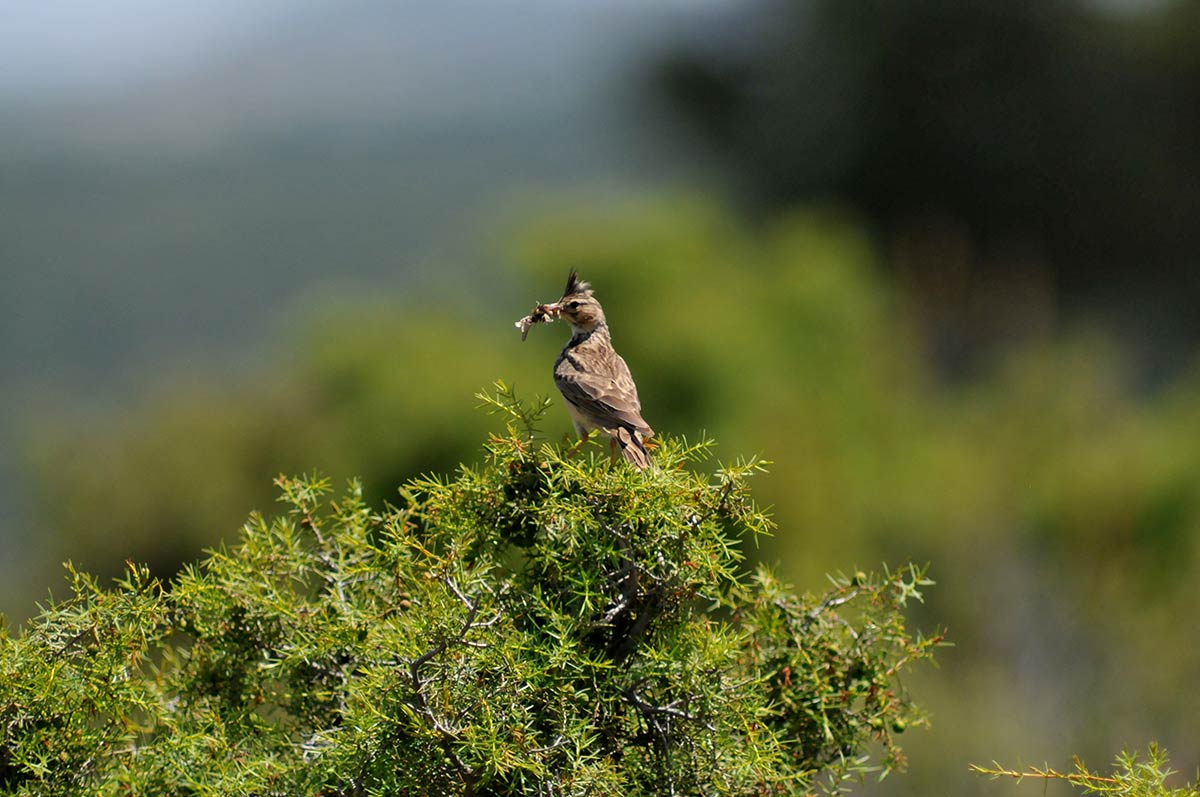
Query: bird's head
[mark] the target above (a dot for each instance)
(578, 306)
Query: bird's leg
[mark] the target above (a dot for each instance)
(612, 449)
(583, 438)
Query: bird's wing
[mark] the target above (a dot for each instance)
(610, 399)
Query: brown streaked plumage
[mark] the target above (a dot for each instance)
(594, 380)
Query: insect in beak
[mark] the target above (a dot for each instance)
(542, 313)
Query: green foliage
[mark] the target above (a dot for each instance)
(1131, 778)
(1059, 501)
(542, 623)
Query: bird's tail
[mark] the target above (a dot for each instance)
(632, 448)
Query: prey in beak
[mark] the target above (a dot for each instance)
(541, 314)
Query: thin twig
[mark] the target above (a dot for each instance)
(446, 734)
(1045, 774)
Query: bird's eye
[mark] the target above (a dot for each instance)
(572, 305)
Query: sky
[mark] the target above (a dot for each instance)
(55, 50)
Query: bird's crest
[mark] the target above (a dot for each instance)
(576, 287)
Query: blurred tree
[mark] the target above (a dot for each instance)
(1014, 155)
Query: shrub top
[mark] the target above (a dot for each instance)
(542, 623)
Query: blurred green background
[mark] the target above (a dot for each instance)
(937, 261)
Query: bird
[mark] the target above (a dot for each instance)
(594, 380)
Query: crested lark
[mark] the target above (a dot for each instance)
(594, 380)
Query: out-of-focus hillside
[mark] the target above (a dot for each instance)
(326, 147)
